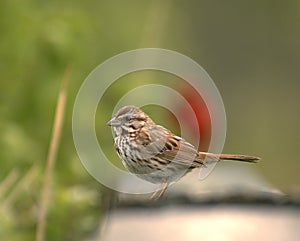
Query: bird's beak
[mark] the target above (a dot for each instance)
(114, 122)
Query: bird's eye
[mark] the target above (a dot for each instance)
(128, 118)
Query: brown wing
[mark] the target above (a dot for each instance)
(170, 148)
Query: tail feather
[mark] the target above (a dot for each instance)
(243, 158)
(232, 157)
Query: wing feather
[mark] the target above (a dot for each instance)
(165, 145)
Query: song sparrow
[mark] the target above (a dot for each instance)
(155, 154)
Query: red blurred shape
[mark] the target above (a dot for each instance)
(200, 111)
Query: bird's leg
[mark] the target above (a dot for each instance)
(161, 190)
(164, 189)
(155, 194)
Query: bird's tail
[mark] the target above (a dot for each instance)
(232, 157)
(243, 158)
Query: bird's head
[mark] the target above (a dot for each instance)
(129, 119)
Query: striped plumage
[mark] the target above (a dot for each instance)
(153, 153)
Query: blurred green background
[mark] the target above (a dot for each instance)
(250, 49)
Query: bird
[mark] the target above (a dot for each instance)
(153, 153)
